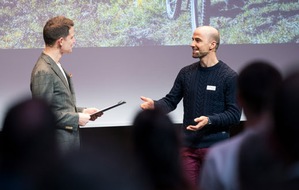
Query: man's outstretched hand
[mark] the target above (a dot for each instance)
(147, 104)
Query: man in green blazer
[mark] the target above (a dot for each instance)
(51, 82)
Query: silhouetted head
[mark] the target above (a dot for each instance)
(286, 114)
(28, 132)
(155, 135)
(157, 144)
(268, 161)
(258, 83)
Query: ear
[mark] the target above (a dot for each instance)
(59, 41)
(213, 45)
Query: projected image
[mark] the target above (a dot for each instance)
(122, 23)
(240, 21)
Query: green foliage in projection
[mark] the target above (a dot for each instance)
(111, 23)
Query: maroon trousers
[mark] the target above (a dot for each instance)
(192, 164)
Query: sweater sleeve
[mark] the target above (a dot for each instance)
(171, 100)
(232, 113)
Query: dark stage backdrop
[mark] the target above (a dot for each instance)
(131, 48)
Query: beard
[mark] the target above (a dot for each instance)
(200, 54)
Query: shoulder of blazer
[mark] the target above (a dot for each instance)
(50, 62)
(56, 69)
(48, 59)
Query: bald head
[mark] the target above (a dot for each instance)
(209, 32)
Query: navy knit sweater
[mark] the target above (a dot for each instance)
(206, 91)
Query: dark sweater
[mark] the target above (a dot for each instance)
(206, 91)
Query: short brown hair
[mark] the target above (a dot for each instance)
(56, 28)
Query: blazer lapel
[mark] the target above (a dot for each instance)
(70, 83)
(71, 89)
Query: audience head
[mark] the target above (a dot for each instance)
(286, 114)
(273, 164)
(28, 134)
(154, 132)
(156, 143)
(28, 146)
(257, 84)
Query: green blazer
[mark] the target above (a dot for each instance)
(49, 83)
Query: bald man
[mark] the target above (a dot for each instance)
(208, 89)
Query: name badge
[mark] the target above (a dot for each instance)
(209, 87)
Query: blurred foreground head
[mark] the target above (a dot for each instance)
(28, 133)
(272, 163)
(286, 114)
(258, 83)
(157, 145)
(155, 136)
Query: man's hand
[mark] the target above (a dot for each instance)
(201, 122)
(95, 116)
(147, 103)
(83, 118)
(91, 111)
